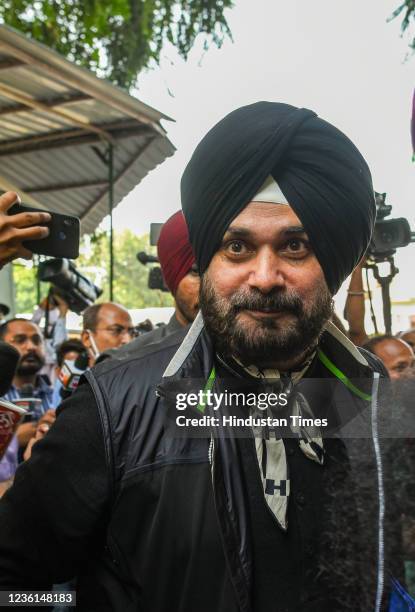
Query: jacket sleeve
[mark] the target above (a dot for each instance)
(56, 511)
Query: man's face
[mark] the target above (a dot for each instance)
(397, 357)
(187, 297)
(27, 338)
(114, 328)
(264, 297)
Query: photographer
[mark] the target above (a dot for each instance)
(15, 229)
(54, 308)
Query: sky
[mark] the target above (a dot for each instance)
(341, 59)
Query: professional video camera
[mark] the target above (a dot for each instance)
(155, 277)
(389, 234)
(67, 282)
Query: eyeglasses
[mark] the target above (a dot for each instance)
(20, 339)
(119, 330)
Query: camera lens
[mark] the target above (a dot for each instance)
(62, 236)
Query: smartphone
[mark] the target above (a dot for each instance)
(64, 232)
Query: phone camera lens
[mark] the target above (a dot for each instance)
(62, 236)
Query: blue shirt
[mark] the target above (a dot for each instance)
(57, 398)
(44, 392)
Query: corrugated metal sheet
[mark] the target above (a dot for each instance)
(55, 119)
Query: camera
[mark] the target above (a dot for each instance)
(155, 276)
(388, 234)
(67, 282)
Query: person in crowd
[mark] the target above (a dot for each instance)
(179, 271)
(144, 327)
(408, 336)
(53, 309)
(105, 326)
(180, 275)
(354, 313)
(4, 311)
(396, 355)
(15, 229)
(280, 208)
(27, 338)
(69, 350)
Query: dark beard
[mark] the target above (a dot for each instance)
(270, 340)
(186, 311)
(27, 369)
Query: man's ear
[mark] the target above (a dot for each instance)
(85, 339)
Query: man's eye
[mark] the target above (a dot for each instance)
(236, 247)
(297, 246)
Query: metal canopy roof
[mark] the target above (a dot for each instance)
(57, 124)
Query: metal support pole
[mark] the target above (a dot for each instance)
(108, 159)
(111, 206)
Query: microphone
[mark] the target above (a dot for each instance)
(82, 361)
(144, 258)
(71, 372)
(9, 358)
(28, 401)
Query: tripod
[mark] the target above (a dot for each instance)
(385, 282)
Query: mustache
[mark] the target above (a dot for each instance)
(33, 356)
(275, 301)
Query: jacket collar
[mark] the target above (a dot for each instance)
(195, 355)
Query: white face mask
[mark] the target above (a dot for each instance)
(94, 349)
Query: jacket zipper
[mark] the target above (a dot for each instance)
(210, 454)
(381, 495)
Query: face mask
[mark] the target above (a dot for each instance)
(94, 349)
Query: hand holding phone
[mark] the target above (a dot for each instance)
(18, 228)
(62, 240)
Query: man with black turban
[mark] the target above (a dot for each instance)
(318, 169)
(287, 512)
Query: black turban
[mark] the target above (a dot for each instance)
(320, 171)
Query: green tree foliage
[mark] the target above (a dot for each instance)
(24, 276)
(130, 277)
(407, 10)
(118, 38)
